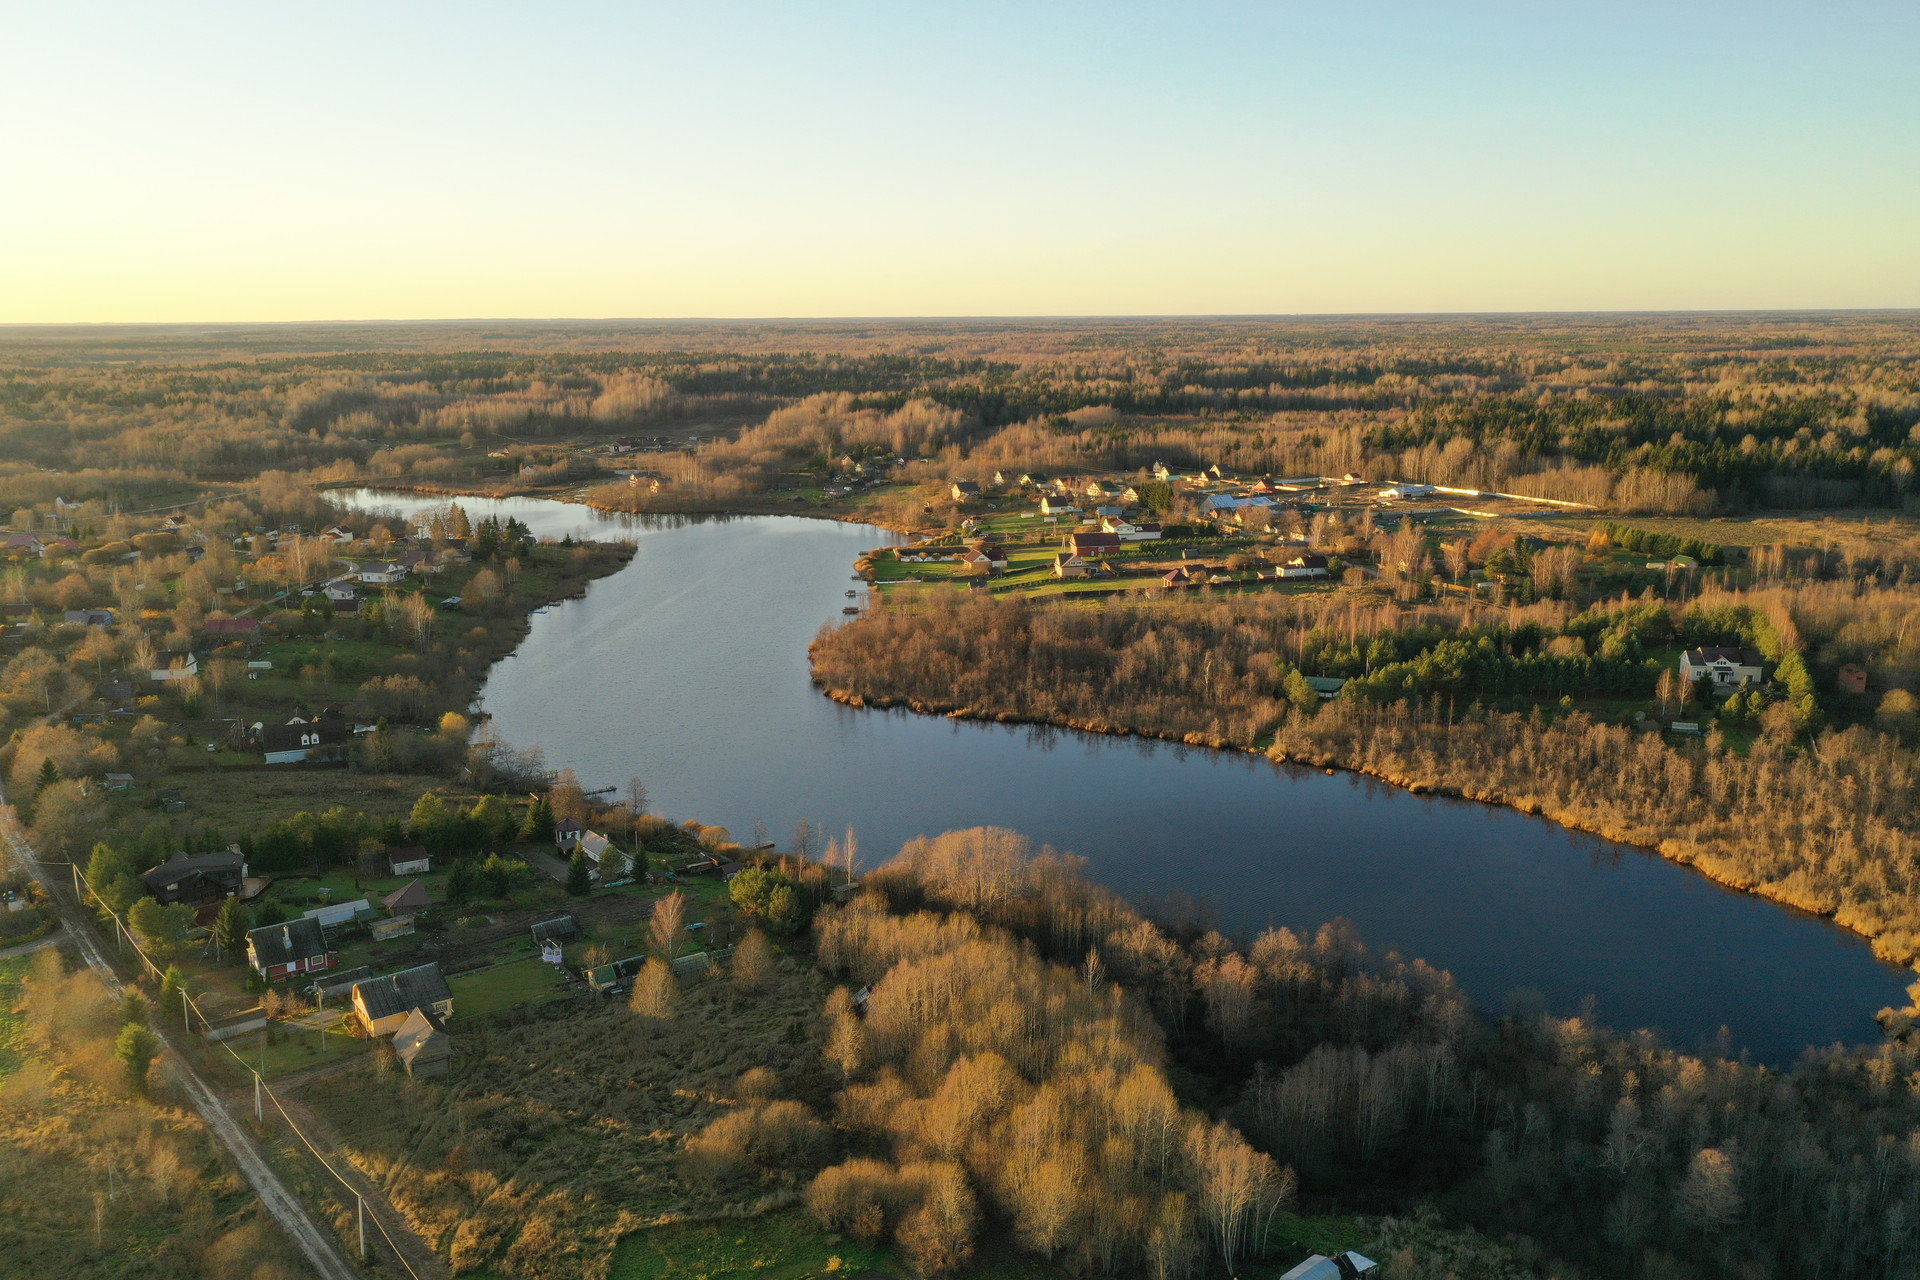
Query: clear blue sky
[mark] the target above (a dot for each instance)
(341, 161)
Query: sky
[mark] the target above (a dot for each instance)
(208, 162)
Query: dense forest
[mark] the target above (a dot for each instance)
(1676, 414)
(1364, 1079)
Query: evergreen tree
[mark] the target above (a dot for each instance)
(230, 928)
(49, 774)
(579, 882)
(136, 1049)
(539, 825)
(172, 983)
(133, 1008)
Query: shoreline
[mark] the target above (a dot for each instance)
(1671, 850)
(837, 515)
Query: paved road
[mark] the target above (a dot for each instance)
(315, 1245)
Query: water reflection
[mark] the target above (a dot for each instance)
(689, 669)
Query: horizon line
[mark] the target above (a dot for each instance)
(1009, 318)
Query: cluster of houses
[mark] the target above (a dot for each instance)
(410, 1006)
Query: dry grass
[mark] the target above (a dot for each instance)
(562, 1127)
(74, 1140)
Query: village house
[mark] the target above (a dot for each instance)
(247, 629)
(1067, 565)
(1093, 544)
(1407, 492)
(298, 741)
(1176, 578)
(384, 1003)
(1305, 566)
(1162, 472)
(1851, 678)
(197, 877)
(1728, 669)
(567, 832)
(336, 535)
(602, 854)
(964, 489)
(1052, 506)
(279, 951)
(422, 1045)
(382, 574)
(178, 668)
(88, 618)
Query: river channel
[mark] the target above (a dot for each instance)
(688, 669)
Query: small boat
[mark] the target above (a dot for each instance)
(851, 609)
(852, 594)
(540, 611)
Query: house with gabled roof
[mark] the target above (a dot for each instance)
(296, 946)
(197, 877)
(383, 1003)
(1728, 669)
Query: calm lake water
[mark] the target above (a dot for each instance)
(689, 669)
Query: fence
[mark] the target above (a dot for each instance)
(124, 941)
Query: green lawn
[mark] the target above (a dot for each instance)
(490, 990)
(779, 1246)
(291, 1049)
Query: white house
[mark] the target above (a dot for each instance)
(1307, 566)
(1053, 506)
(383, 574)
(1729, 669)
(178, 669)
(1408, 492)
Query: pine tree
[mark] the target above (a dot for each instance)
(539, 825)
(136, 1049)
(49, 774)
(172, 983)
(579, 883)
(230, 928)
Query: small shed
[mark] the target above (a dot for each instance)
(616, 976)
(1851, 678)
(567, 832)
(423, 1045)
(408, 900)
(410, 861)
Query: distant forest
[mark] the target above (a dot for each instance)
(1674, 414)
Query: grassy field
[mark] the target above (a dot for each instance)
(778, 1246)
(502, 987)
(288, 1049)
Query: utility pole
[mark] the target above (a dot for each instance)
(360, 1219)
(259, 1107)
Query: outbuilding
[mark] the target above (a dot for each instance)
(409, 861)
(423, 1045)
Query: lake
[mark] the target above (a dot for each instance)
(688, 669)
